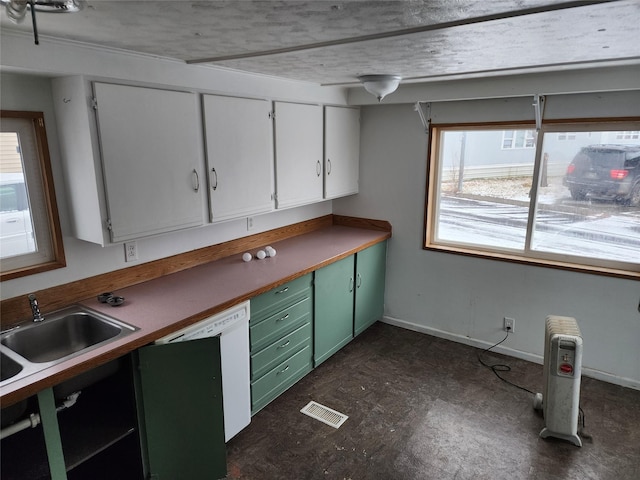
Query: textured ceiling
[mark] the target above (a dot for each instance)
(449, 37)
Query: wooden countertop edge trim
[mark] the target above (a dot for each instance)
(97, 360)
(357, 222)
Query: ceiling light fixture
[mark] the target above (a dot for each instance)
(380, 85)
(17, 9)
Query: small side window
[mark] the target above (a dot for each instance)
(30, 236)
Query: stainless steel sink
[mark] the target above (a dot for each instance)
(64, 334)
(8, 367)
(56, 338)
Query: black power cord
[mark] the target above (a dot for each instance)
(501, 367)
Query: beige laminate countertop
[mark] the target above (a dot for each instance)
(163, 305)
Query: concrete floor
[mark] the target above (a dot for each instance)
(421, 407)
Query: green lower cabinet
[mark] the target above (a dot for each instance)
(280, 331)
(269, 358)
(370, 273)
(333, 309)
(180, 399)
(284, 375)
(349, 298)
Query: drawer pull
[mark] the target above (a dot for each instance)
(283, 370)
(285, 289)
(283, 318)
(284, 344)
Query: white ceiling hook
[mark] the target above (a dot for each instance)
(426, 119)
(538, 106)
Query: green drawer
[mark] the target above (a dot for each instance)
(279, 324)
(281, 349)
(278, 298)
(283, 376)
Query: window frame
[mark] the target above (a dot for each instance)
(56, 257)
(527, 256)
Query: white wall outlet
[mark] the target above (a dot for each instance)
(130, 252)
(249, 224)
(509, 325)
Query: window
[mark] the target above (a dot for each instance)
(633, 135)
(567, 204)
(30, 238)
(518, 139)
(566, 135)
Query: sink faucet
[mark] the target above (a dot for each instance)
(35, 310)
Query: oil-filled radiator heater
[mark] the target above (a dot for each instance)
(561, 379)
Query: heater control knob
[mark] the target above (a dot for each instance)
(566, 368)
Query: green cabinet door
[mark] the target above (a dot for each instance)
(333, 308)
(370, 269)
(183, 426)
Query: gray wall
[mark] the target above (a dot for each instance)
(465, 298)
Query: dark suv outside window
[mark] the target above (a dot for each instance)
(606, 172)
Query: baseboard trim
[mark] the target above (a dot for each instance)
(587, 372)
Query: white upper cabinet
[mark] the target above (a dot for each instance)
(298, 154)
(239, 139)
(134, 157)
(150, 179)
(151, 151)
(341, 151)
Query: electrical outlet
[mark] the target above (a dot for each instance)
(509, 325)
(130, 252)
(249, 223)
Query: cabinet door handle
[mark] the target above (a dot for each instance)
(284, 344)
(214, 182)
(351, 284)
(318, 168)
(196, 180)
(283, 318)
(328, 166)
(283, 370)
(359, 284)
(285, 289)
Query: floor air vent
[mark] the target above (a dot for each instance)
(324, 414)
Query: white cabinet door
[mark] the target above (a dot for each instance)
(298, 152)
(341, 150)
(239, 138)
(80, 151)
(152, 158)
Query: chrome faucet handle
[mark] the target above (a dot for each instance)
(35, 310)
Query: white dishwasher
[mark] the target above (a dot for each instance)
(233, 327)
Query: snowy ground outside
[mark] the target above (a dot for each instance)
(494, 212)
